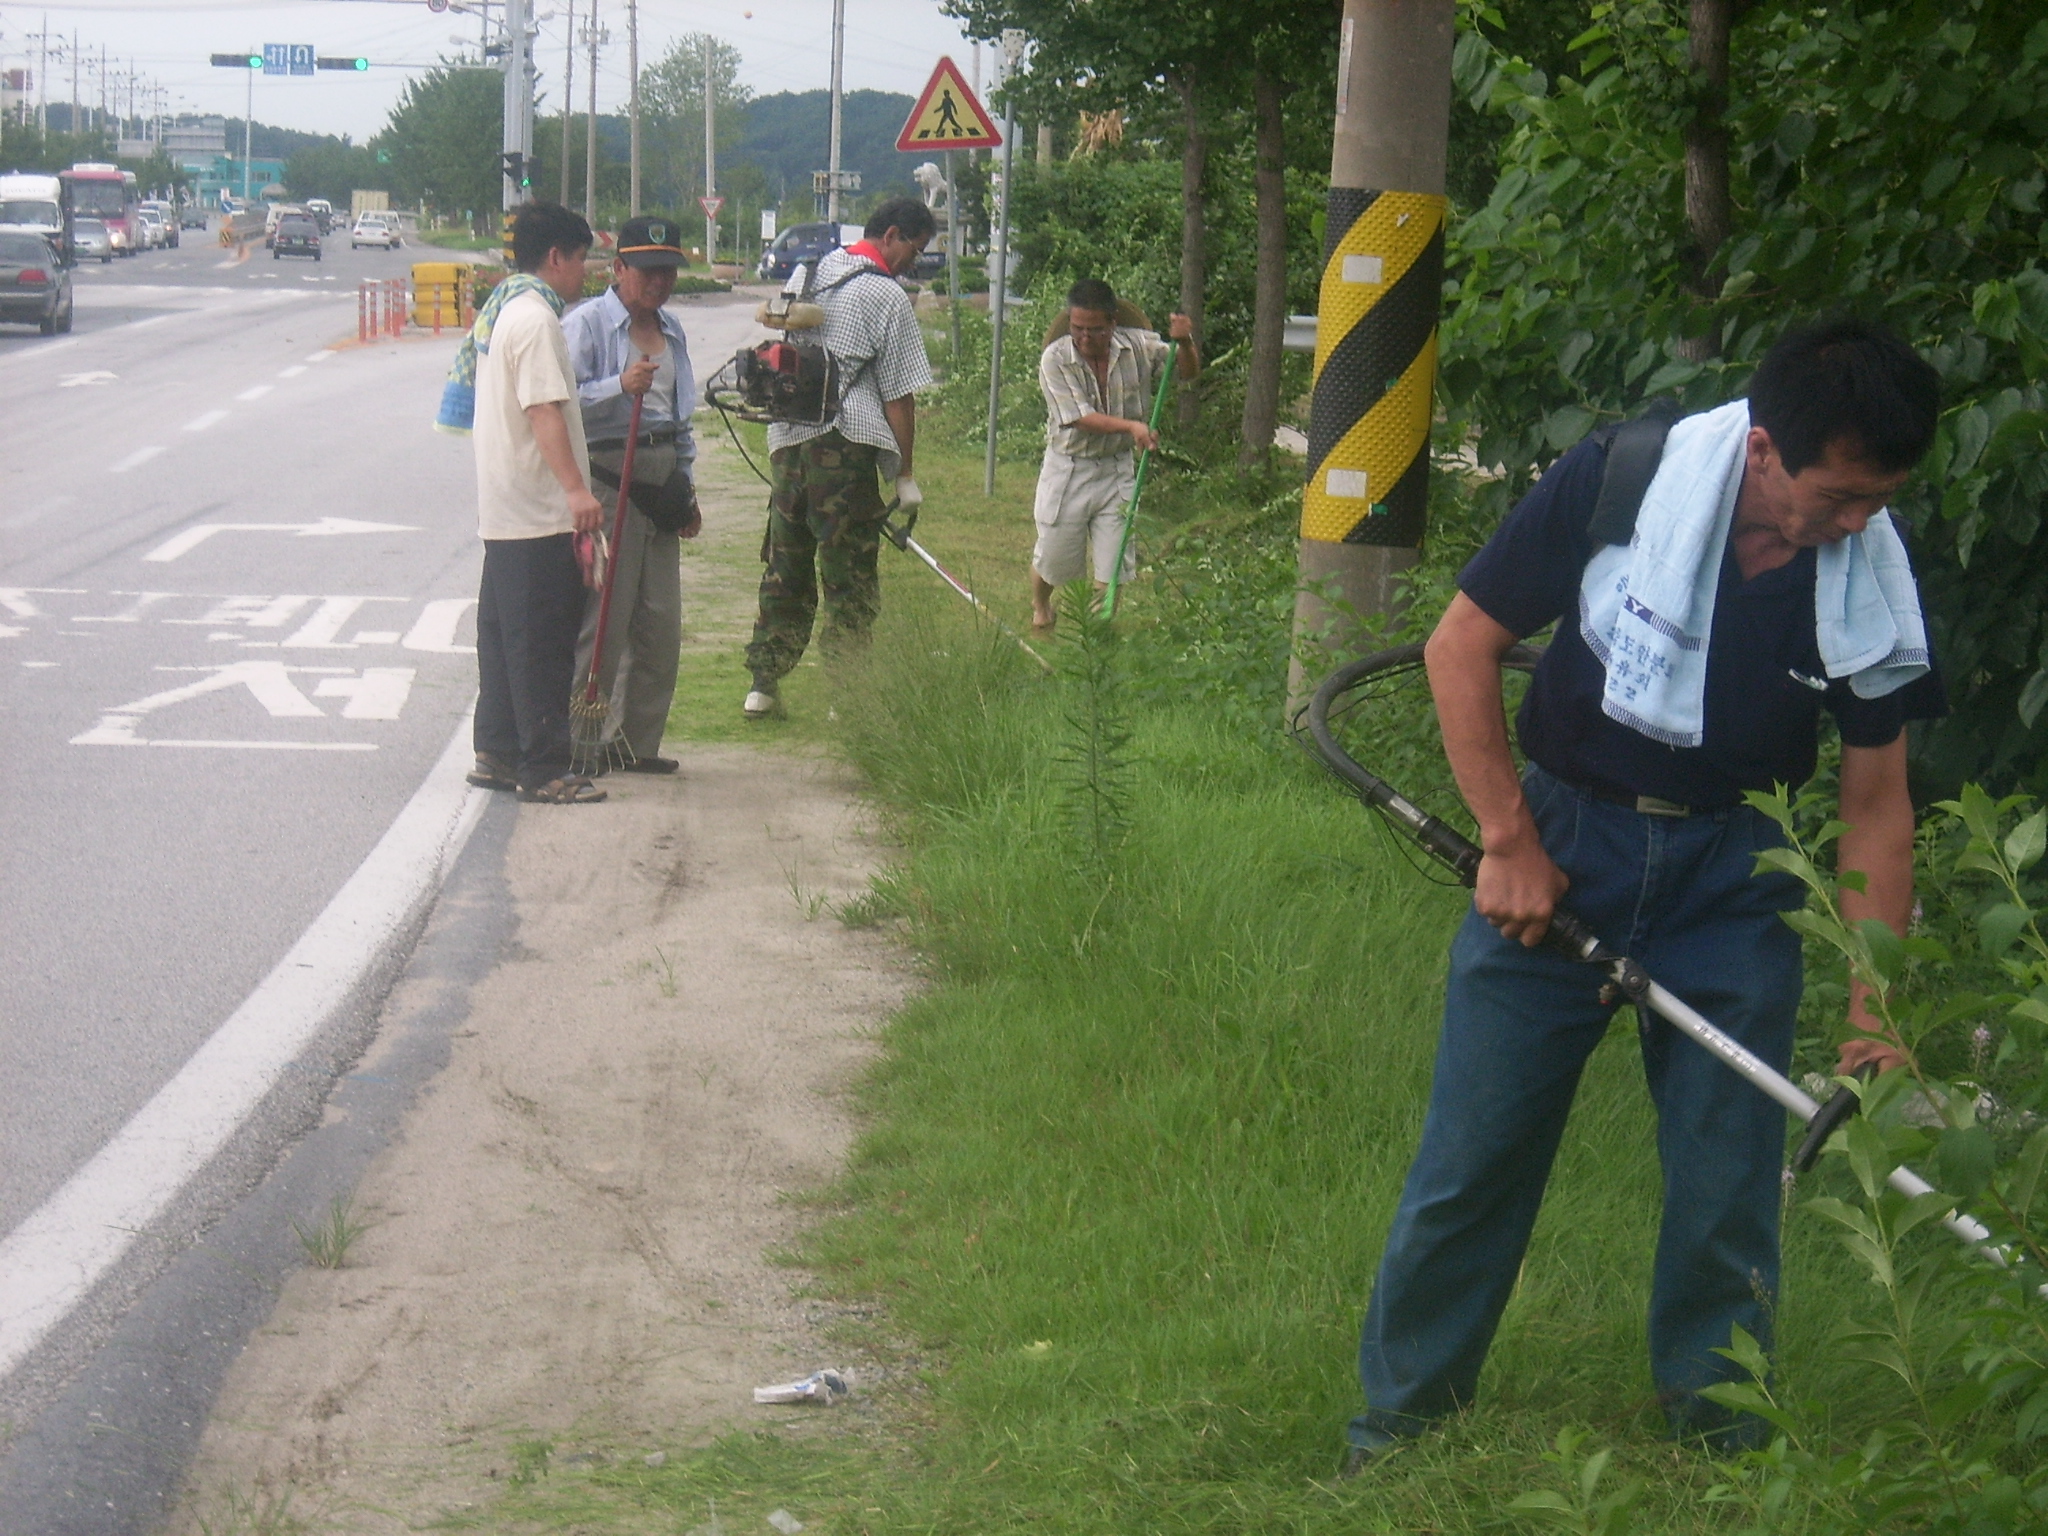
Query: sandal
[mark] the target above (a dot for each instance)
(570, 789)
(492, 772)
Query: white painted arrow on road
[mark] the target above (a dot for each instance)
(86, 380)
(193, 537)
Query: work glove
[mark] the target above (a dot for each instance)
(908, 497)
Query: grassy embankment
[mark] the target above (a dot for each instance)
(1132, 1155)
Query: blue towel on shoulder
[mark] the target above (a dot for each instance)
(1646, 609)
(457, 413)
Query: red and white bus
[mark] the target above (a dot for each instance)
(107, 193)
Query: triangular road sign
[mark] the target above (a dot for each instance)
(711, 205)
(947, 116)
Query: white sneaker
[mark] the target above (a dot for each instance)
(760, 706)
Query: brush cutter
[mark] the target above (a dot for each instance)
(901, 538)
(589, 709)
(1123, 543)
(1377, 677)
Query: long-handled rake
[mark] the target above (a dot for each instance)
(1123, 543)
(1360, 682)
(901, 538)
(590, 709)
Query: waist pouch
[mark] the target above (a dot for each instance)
(661, 493)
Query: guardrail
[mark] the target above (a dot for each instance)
(380, 307)
(238, 227)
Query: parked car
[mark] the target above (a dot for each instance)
(297, 235)
(35, 285)
(169, 218)
(89, 237)
(798, 243)
(370, 229)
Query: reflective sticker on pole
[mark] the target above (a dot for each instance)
(1375, 368)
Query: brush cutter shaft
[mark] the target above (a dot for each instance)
(901, 538)
(1567, 932)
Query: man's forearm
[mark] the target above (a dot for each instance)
(1464, 657)
(902, 415)
(1190, 362)
(551, 436)
(1106, 425)
(1878, 844)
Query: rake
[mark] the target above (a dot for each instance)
(589, 709)
(1123, 543)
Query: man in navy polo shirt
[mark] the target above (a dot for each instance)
(1642, 830)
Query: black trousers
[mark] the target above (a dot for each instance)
(527, 614)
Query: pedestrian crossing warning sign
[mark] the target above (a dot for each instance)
(947, 116)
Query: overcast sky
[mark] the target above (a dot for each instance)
(891, 45)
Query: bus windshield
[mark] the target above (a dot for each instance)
(102, 198)
(33, 212)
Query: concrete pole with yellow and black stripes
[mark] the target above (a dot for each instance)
(1362, 510)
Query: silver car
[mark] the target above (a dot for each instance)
(89, 237)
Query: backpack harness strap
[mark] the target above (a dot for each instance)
(1634, 448)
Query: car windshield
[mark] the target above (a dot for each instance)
(89, 226)
(30, 211)
(23, 250)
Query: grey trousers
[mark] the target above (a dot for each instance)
(644, 637)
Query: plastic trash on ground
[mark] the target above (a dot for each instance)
(785, 1522)
(826, 1387)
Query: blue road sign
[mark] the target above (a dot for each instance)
(302, 58)
(288, 58)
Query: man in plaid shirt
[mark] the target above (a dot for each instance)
(1098, 380)
(825, 508)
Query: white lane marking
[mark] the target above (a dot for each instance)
(135, 460)
(201, 423)
(232, 261)
(255, 394)
(323, 630)
(327, 527)
(434, 629)
(379, 694)
(52, 1260)
(20, 601)
(321, 356)
(292, 372)
(39, 663)
(86, 380)
(376, 637)
(136, 325)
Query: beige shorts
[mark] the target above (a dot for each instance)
(1079, 511)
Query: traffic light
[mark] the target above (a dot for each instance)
(237, 61)
(325, 63)
(518, 169)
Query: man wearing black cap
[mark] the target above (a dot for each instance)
(623, 344)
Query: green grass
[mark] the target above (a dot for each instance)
(1131, 1156)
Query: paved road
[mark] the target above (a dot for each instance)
(237, 573)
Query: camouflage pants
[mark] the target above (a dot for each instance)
(824, 533)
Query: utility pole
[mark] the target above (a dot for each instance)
(43, 82)
(1362, 510)
(838, 73)
(633, 108)
(595, 35)
(73, 124)
(248, 128)
(516, 135)
(999, 258)
(568, 92)
(710, 154)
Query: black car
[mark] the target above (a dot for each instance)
(35, 286)
(296, 235)
(799, 242)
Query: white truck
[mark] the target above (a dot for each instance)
(37, 203)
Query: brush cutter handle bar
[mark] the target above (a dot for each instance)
(611, 566)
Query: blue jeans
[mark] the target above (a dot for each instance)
(1680, 895)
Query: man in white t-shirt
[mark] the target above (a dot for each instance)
(533, 497)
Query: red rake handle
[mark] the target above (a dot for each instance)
(611, 566)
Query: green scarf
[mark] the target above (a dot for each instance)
(457, 414)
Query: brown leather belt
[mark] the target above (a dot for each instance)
(1643, 805)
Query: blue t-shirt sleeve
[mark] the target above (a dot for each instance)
(1528, 574)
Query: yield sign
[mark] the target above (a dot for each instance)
(711, 205)
(947, 116)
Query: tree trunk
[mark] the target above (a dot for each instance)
(1708, 212)
(1269, 289)
(1194, 258)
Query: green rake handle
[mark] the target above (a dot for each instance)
(1123, 543)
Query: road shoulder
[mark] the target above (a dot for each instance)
(568, 1242)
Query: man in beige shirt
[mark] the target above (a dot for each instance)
(533, 498)
(1098, 381)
